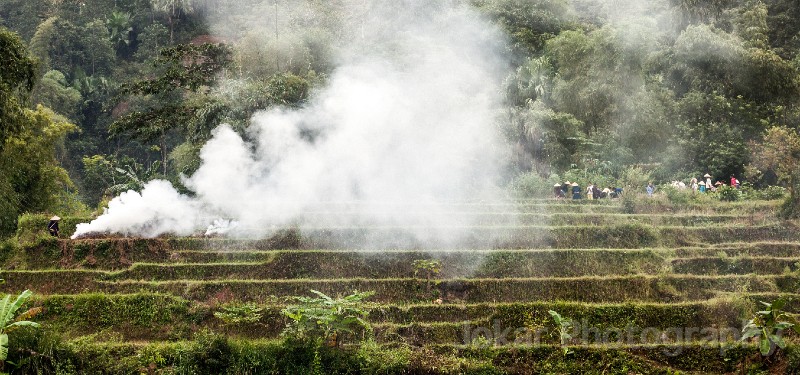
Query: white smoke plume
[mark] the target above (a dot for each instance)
(404, 129)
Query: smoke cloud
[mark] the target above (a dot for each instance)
(402, 133)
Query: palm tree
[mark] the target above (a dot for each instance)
(173, 9)
(119, 28)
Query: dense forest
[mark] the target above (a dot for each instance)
(100, 96)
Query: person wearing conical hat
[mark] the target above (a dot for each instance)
(709, 185)
(557, 192)
(576, 191)
(702, 186)
(52, 227)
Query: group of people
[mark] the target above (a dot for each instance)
(572, 189)
(705, 186)
(701, 185)
(593, 191)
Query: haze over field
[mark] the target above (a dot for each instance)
(405, 123)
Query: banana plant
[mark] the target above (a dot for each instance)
(9, 320)
(564, 325)
(768, 326)
(326, 319)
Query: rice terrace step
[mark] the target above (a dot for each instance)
(654, 293)
(399, 187)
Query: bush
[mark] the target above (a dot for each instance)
(729, 193)
(531, 185)
(679, 196)
(209, 354)
(8, 248)
(635, 178)
(38, 351)
(327, 319)
(630, 201)
(237, 313)
(377, 360)
(790, 209)
(772, 193)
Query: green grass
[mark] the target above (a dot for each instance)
(210, 353)
(584, 289)
(147, 305)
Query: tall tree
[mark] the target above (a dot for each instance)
(779, 153)
(17, 77)
(163, 102)
(119, 26)
(173, 9)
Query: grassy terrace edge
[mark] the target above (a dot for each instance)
(164, 317)
(583, 289)
(209, 353)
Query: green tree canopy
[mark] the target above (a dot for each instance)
(778, 153)
(17, 77)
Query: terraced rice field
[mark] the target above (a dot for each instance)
(649, 293)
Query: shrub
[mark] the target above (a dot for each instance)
(595, 174)
(634, 178)
(679, 196)
(790, 209)
(8, 248)
(377, 360)
(531, 185)
(729, 193)
(772, 193)
(210, 353)
(326, 319)
(239, 313)
(428, 268)
(630, 201)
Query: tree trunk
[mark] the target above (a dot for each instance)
(164, 153)
(171, 32)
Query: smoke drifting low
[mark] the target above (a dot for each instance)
(404, 127)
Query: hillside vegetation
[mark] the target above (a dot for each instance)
(644, 293)
(677, 88)
(98, 97)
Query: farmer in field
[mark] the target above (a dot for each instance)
(702, 186)
(557, 192)
(596, 192)
(709, 185)
(52, 227)
(576, 191)
(734, 182)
